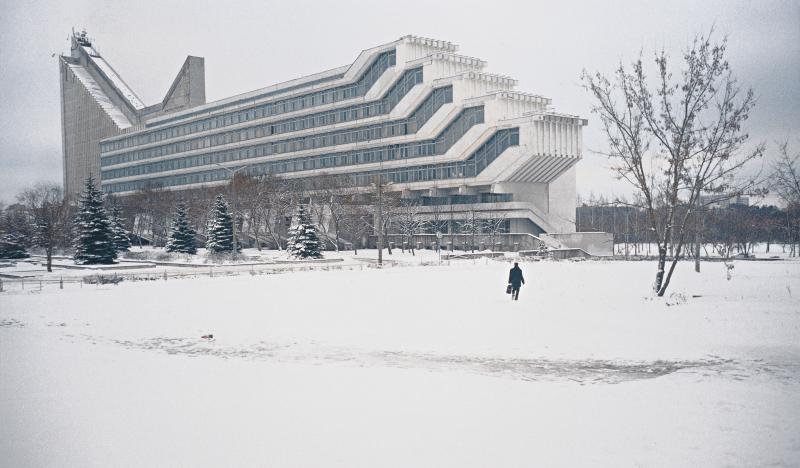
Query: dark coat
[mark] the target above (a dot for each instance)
(515, 277)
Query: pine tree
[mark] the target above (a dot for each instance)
(122, 242)
(303, 241)
(12, 246)
(544, 250)
(182, 236)
(220, 227)
(94, 237)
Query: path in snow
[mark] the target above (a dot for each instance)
(583, 371)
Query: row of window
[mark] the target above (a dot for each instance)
(471, 167)
(467, 199)
(456, 226)
(341, 93)
(381, 107)
(438, 98)
(482, 157)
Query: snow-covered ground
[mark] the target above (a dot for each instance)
(414, 366)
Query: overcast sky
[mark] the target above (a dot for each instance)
(252, 44)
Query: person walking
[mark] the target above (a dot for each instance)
(516, 280)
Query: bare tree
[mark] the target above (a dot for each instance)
(50, 212)
(770, 224)
(150, 209)
(786, 177)
(409, 221)
(355, 222)
(338, 208)
(436, 222)
(328, 195)
(198, 206)
(676, 138)
(470, 227)
(493, 225)
(279, 199)
(252, 194)
(318, 207)
(383, 206)
(786, 184)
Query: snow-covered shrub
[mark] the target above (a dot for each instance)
(303, 241)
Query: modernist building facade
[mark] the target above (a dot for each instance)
(413, 112)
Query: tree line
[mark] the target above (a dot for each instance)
(729, 227)
(246, 211)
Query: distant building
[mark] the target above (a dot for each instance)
(414, 112)
(724, 200)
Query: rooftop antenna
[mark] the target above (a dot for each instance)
(82, 38)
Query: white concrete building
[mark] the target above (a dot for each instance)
(436, 124)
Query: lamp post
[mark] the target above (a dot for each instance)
(438, 245)
(233, 172)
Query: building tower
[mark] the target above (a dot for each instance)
(96, 104)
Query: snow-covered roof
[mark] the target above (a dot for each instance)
(100, 97)
(90, 51)
(113, 77)
(117, 81)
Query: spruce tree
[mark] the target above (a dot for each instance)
(181, 236)
(220, 227)
(94, 237)
(122, 242)
(12, 246)
(303, 241)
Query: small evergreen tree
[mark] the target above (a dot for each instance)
(12, 246)
(543, 251)
(303, 241)
(220, 227)
(122, 242)
(182, 236)
(94, 237)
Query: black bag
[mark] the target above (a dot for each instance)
(508, 289)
